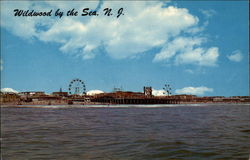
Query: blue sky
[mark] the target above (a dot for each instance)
(197, 47)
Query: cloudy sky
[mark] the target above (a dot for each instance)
(197, 47)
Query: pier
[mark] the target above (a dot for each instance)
(110, 100)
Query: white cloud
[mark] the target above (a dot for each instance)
(198, 29)
(156, 92)
(144, 26)
(189, 71)
(199, 56)
(194, 90)
(94, 92)
(8, 90)
(208, 13)
(179, 44)
(187, 51)
(236, 56)
(124, 37)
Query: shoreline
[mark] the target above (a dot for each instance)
(63, 103)
(116, 105)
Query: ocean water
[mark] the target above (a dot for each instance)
(154, 132)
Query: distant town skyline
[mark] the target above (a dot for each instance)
(199, 47)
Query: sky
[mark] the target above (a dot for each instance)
(197, 47)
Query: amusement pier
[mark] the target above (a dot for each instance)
(76, 94)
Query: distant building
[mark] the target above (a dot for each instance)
(9, 97)
(121, 94)
(31, 93)
(185, 96)
(147, 91)
(39, 93)
(60, 93)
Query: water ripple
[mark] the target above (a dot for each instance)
(126, 133)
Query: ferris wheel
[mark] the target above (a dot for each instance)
(77, 87)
